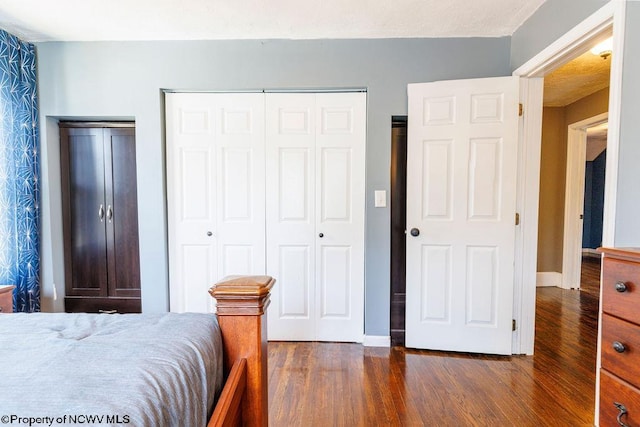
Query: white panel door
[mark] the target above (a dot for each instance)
(340, 201)
(461, 187)
(291, 216)
(215, 192)
(315, 215)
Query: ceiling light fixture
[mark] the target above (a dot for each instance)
(603, 49)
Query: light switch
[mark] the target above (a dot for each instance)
(380, 199)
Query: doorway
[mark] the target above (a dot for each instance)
(595, 171)
(398, 228)
(584, 195)
(595, 28)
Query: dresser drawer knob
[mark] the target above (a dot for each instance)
(621, 287)
(619, 347)
(622, 411)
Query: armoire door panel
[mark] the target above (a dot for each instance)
(122, 214)
(85, 222)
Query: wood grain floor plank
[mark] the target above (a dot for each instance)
(333, 384)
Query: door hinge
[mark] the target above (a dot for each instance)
(513, 324)
(517, 218)
(520, 109)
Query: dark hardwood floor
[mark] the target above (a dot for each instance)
(328, 384)
(590, 275)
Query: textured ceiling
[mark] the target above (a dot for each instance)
(581, 77)
(85, 20)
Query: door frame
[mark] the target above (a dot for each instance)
(608, 20)
(574, 199)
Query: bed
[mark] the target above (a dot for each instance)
(165, 369)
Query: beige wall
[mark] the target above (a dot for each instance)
(553, 166)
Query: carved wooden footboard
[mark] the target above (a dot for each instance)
(242, 303)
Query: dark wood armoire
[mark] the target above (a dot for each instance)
(100, 217)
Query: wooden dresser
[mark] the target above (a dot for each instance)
(6, 298)
(619, 343)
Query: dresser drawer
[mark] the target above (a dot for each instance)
(613, 390)
(625, 361)
(624, 301)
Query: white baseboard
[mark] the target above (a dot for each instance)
(376, 341)
(548, 278)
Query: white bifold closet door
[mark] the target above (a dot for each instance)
(270, 183)
(215, 192)
(315, 215)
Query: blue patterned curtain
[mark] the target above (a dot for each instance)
(19, 172)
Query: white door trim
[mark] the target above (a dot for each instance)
(574, 199)
(526, 239)
(597, 26)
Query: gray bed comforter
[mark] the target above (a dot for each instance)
(122, 369)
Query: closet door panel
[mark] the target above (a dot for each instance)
(336, 283)
(122, 214)
(240, 183)
(340, 201)
(215, 190)
(290, 209)
(82, 154)
(196, 269)
(191, 200)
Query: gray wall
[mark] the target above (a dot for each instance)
(628, 199)
(553, 19)
(124, 80)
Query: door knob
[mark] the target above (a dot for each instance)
(621, 287)
(321, 235)
(619, 347)
(209, 233)
(415, 232)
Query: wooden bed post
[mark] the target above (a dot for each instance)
(242, 303)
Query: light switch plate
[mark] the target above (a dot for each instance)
(380, 199)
